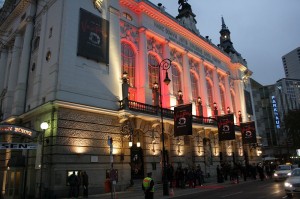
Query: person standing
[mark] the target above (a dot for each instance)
(148, 186)
(73, 182)
(85, 184)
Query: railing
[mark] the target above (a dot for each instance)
(7, 8)
(167, 113)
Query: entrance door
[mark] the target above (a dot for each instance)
(137, 163)
(13, 184)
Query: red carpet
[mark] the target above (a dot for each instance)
(210, 187)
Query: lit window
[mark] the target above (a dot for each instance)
(127, 16)
(128, 63)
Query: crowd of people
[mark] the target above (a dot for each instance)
(260, 170)
(76, 182)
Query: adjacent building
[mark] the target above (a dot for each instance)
(291, 64)
(93, 72)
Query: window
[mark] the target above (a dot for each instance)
(194, 82)
(153, 70)
(128, 62)
(176, 80)
(209, 93)
(127, 16)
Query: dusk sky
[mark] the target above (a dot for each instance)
(261, 30)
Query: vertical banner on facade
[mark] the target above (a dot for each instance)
(183, 120)
(248, 132)
(226, 129)
(93, 37)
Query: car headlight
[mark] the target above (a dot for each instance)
(287, 184)
(275, 174)
(289, 174)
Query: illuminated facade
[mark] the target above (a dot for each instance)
(65, 68)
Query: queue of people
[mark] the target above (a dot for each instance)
(254, 171)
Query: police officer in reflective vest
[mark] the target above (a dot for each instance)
(148, 186)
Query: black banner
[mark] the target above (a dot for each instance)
(93, 37)
(226, 127)
(183, 120)
(248, 132)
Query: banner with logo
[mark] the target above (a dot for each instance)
(183, 120)
(226, 129)
(248, 132)
(93, 37)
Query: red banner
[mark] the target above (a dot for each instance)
(183, 120)
(248, 132)
(226, 129)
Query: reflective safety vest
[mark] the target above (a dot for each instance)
(146, 184)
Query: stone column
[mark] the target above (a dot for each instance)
(203, 89)
(3, 64)
(217, 95)
(13, 76)
(142, 77)
(227, 94)
(186, 84)
(20, 92)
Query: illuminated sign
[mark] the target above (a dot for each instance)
(17, 130)
(275, 110)
(21, 146)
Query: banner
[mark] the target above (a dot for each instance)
(183, 120)
(93, 37)
(226, 127)
(248, 132)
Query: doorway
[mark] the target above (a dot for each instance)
(13, 187)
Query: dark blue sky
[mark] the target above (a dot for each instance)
(261, 30)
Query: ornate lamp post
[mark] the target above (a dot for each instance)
(240, 117)
(180, 100)
(165, 64)
(44, 126)
(215, 109)
(228, 110)
(200, 108)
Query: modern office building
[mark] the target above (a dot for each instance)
(92, 71)
(291, 64)
(271, 104)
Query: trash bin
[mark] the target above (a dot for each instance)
(107, 186)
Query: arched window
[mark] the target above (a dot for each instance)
(128, 62)
(176, 80)
(222, 93)
(209, 94)
(153, 70)
(194, 82)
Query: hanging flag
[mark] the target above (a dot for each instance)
(183, 120)
(248, 132)
(226, 127)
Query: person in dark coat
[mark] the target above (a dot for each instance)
(73, 182)
(85, 184)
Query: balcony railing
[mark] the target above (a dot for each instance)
(167, 113)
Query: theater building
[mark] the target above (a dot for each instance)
(94, 72)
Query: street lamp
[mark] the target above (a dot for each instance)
(200, 108)
(215, 109)
(228, 110)
(165, 64)
(44, 126)
(180, 100)
(240, 117)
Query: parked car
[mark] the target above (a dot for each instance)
(283, 171)
(292, 183)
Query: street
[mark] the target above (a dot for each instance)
(267, 189)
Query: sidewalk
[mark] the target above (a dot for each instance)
(177, 191)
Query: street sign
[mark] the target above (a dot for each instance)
(19, 146)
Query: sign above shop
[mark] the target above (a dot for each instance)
(20, 146)
(12, 129)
